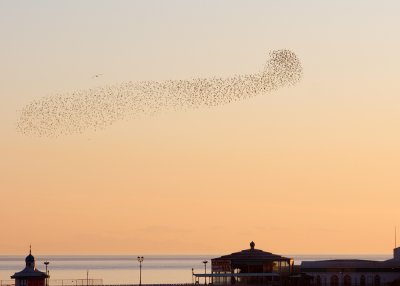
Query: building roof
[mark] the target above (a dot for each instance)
(30, 270)
(252, 254)
(29, 273)
(30, 258)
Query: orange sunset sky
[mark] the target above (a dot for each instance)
(312, 168)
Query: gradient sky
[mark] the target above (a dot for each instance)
(307, 169)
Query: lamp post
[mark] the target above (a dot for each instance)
(140, 259)
(47, 272)
(87, 277)
(205, 271)
(192, 276)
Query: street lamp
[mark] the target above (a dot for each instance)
(205, 271)
(140, 259)
(47, 272)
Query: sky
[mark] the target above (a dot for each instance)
(309, 169)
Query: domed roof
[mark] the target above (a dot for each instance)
(30, 270)
(29, 259)
(252, 254)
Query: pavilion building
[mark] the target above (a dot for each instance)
(249, 266)
(30, 275)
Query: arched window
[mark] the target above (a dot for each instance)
(318, 283)
(334, 280)
(377, 280)
(347, 280)
(362, 280)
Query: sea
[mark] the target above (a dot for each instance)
(124, 269)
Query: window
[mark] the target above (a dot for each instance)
(362, 280)
(318, 283)
(334, 280)
(377, 280)
(347, 280)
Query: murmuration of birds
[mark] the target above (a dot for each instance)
(94, 109)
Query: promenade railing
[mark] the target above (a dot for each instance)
(7, 282)
(94, 282)
(75, 282)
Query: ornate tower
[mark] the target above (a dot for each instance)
(30, 276)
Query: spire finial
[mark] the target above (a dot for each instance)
(252, 244)
(395, 237)
(30, 248)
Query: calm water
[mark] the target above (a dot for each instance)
(125, 269)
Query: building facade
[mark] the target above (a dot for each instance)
(354, 272)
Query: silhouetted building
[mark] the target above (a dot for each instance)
(30, 276)
(249, 266)
(354, 272)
